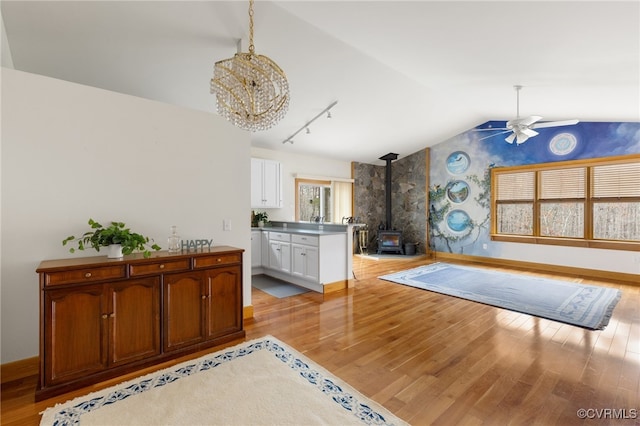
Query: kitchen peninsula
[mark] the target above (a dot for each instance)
(317, 256)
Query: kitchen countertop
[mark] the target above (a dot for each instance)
(298, 231)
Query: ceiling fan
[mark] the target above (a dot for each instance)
(521, 129)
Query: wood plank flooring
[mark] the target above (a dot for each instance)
(438, 360)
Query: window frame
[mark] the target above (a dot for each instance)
(589, 201)
(311, 182)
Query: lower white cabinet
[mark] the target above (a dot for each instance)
(306, 259)
(265, 249)
(305, 262)
(256, 249)
(280, 252)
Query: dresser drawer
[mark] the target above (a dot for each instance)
(310, 240)
(279, 236)
(88, 275)
(159, 267)
(216, 260)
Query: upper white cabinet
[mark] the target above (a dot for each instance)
(266, 183)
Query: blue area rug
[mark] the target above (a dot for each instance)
(583, 305)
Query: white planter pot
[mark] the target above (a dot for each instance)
(114, 251)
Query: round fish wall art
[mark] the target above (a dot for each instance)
(458, 162)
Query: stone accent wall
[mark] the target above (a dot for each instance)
(369, 196)
(408, 199)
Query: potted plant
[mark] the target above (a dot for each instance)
(115, 235)
(261, 218)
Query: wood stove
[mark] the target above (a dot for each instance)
(389, 242)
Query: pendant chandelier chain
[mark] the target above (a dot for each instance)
(251, 46)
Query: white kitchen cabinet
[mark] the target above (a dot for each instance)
(256, 249)
(266, 183)
(280, 252)
(265, 249)
(313, 260)
(280, 256)
(305, 260)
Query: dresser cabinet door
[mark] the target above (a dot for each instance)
(184, 296)
(134, 317)
(224, 295)
(75, 342)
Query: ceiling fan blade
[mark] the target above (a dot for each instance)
(522, 138)
(495, 134)
(522, 122)
(554, 124)
(492, 128)
(511, 138)
(528, 121)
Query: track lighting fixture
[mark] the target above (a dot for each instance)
(306, 125)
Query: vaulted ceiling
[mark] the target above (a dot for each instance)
(406, 75)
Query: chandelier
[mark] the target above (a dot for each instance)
(251, 90)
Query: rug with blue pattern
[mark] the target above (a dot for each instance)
(573, 303)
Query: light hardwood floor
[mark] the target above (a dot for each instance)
(435, 359)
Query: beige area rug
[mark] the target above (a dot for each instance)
(259, 382)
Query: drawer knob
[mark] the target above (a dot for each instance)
(204, 296)
(162, 266)
(105, 316)
(219, 260)
(87, 275)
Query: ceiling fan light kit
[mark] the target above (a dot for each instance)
(252, 91)
(522, 128)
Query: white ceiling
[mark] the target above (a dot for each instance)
(406, 75)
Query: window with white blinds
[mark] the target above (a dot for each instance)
(515, 186)
(616, 180)
(587, 203)
(560, 184)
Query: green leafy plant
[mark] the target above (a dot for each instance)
(261, 217)
(116, 233)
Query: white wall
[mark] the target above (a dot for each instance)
(622, 261)
(293, 164)
(5, 51)
(71, 152)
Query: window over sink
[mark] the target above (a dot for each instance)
(320, 200)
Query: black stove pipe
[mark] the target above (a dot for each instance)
(388, 158)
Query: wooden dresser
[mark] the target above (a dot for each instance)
(100, 317)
